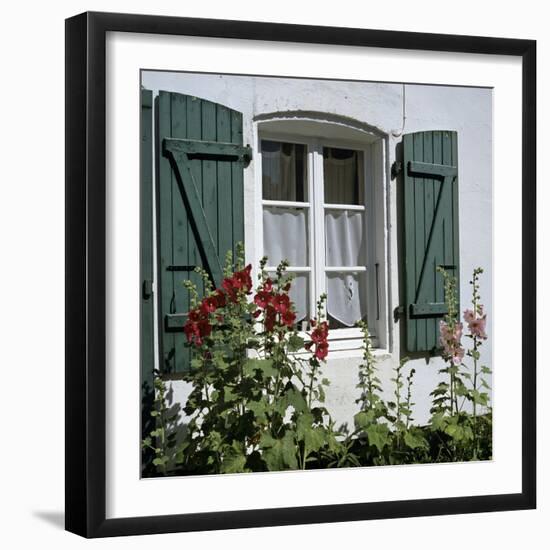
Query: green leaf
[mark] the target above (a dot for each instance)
(313, 437)
(292, 398)
(414, 441)
(378, 435)
(438, 421)
(233, 460)
(263, 366)
(279, 454)
(259, 408)
(295, 343)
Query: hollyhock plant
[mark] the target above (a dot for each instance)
(249, 365)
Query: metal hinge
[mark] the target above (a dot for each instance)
(396, 169)
(398, 312)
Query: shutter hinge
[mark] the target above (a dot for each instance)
(398, 312)
(396, 169)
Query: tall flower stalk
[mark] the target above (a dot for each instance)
(476, 319)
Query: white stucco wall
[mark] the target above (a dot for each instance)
(466, 110)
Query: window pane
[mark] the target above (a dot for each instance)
(284, 171)
(345, 237)
(346, 298)
(285, 235)
(343, 176)
(299, 295)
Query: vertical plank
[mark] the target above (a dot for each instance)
(180, 235)
(420, 241)
(409, 224)
(209, 172)
(147, 350)
(237, 183)
(165, 233)
(194, 131)
(440, 229)
(429, 210)
(225, 216)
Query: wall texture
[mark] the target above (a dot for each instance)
(380, 105)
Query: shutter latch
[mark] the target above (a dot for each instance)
(147, 289)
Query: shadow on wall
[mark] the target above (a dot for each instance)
(54, 518)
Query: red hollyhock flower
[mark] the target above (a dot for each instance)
(257, 313)
(281, 303)
(289, 317)
(205, 328)
(268, 285)
(209, 305)
(321, 350)
(286, 288)
(192, 332)
(194, 315)
(242, 279)
(230, 289)
(262, 299)
(219, 296)
(270, 318)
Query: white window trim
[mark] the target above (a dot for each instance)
(343, 342)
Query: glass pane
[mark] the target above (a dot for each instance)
(285, 235)
(284, 171)
(299, 295)
(346, 298)
(345, 238)
(343, 176)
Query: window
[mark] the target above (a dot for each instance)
(317, 211)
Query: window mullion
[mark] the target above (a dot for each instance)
(319, 220)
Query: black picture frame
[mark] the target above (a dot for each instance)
(86, 281)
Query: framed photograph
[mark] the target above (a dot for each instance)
(300, 274)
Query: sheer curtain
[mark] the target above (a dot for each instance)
(285, 235)
(345, 238)
(342, 176)
(344, 235)
(345, 246)
(283, 166)
(346, 300)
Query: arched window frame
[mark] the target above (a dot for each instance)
(318, 130)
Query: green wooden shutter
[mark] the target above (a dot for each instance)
(200, 205)
(147, 357)
(430, 204)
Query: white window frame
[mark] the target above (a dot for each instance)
(342, 340)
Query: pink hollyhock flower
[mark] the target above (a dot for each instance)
(458, 355)
(469, 315)
(477, 327)
(457, 335)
